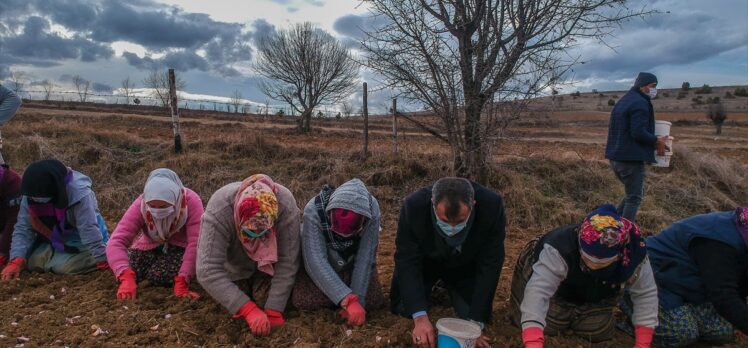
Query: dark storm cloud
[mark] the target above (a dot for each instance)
(356, 26)
(261, 28)
(101, 88)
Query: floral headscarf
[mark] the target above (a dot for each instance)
(255, 213)
(741, 220)
(605, 236)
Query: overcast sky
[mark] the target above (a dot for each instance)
(210, 42)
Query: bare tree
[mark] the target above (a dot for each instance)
(158, 82)
(47, 86)
(305, 66)
(127, 88)
(81, 86)
(475, 63)
(19, 80)
(347, 109)
(236, 100)
(717, 115)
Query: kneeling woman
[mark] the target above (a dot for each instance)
(59, 226)
(250, 235)
(339, 238)
(572, 278)
(166, 221)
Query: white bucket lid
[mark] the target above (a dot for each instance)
(458, 328)
(664, 122)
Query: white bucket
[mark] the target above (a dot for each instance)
(457, 333)
(662, 128)
(664, 161)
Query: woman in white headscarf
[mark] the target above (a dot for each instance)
(161, 230)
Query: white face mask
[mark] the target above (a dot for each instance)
(652, 92)
(161, 213)
(41, 200)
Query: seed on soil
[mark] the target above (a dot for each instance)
(154, 327)
(168, 316)
(14, 324)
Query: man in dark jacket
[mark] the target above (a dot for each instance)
(632, 142)
(453, 232)
(701, 269)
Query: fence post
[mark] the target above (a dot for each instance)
(365, 109)
(394, 126)
(174, 112)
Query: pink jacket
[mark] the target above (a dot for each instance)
(132, 227)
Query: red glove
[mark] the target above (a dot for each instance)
(352, 310)
(276, 318)
(256, 319)
(102, 265)
(643, 336)
(127, 285)
(533, 337)
(182, 289)
(13, 269)
(3, 258)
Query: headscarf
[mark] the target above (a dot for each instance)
(741, 221)
(605, 236)
(48, 179)
(255, 211)
(164, 185)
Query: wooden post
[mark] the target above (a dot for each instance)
(394, 126)
(365, 109)
(174, 112)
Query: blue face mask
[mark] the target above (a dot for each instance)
(450, 230)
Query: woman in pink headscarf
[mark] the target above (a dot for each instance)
(160, 229)
(250, 232)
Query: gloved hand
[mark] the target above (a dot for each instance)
(256, 319)
(352, 310)
(182, 289)
(533, 337)
(127, 285)
(3, 258)
(13, 269)
(643, 336)
(275, 317)
(102, 265)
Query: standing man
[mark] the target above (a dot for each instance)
(632, 142)
(452, 231)
(9, 104)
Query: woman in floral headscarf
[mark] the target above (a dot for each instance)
(571, 278)
(250, 232)
(701, 267)
(160, 228)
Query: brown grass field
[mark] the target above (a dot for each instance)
(550, 171)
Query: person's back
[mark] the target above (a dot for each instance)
(631, 129)
(9, 104)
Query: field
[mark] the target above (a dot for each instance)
(550, 170)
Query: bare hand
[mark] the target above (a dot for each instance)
(661, 145)
(483, 342)
(423, 333)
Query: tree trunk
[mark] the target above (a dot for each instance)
(304, 121)
(472, 159)
(719, 129)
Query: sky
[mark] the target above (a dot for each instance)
(210, 43)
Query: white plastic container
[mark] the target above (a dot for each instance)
(664, 161)
(662, 128)
(457, 333)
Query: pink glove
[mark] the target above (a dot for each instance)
(13, 269)
(275, 317)
(533, 337)
(127, 285)
(182, 289)
(256, 319)
(643, 336)
(352, 310)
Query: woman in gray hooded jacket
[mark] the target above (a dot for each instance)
(339, 239)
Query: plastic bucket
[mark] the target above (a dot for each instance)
(664, 161)
(662, 128)
(457, 333)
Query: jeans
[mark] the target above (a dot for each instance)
(631, 174)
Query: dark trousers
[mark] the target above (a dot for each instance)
(631, 174)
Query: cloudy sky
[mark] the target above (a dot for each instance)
(210, 42)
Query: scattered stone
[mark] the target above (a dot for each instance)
(154, 328)
(168, 316)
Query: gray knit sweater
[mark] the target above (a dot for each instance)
(221, 260)
(353, 196)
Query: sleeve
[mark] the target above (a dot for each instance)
(409, 266)
(23, 235)
(88, 227)
(366, 258)
(314, 252)
(212, 248)
(122, 238)
(490, 263)
(192, 228)
(10, 212)
(644, 297)
(289, 253)
(718, 264)
(547, 274)
(639, 123)
(9, 104)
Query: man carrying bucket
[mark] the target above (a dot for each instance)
(632, 141)
(451, 232)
